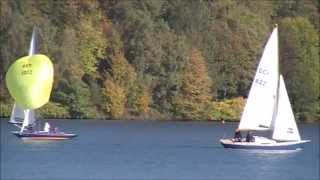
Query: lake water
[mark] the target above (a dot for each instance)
(152, 150)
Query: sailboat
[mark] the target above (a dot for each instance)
(268, 107)
(25, 118)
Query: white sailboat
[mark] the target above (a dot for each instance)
(268, 107)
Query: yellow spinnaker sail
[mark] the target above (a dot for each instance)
(29, 81)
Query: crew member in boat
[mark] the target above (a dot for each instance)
(249, 137)
(237, 136)
(56, 130)
(30, 128)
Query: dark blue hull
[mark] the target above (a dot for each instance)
(275, 146)
(44, 135)
(15, 122)
(290, 147)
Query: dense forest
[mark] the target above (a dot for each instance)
(162, 59)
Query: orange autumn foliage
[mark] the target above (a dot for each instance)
(194, 98)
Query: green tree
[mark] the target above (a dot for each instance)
(240, 35)
(166, 83)
(299, 50)
(194, 20)
(139, 100)
(228, 109)
(92, 46)
(114, 99)
(304, 8)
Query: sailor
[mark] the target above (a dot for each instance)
(249, 137)
(30, 128)
(237, 136)
(56, 129)
(222, 121)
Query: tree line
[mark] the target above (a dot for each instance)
(162, 59)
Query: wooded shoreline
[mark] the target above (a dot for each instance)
(162, 59)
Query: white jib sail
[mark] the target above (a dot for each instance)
(258, 111)
(29, 119)
(17, 114)
(285, 127)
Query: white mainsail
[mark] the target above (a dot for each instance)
(17, 115)
(258, 111)
(285, 127)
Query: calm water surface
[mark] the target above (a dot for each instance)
(152, 150)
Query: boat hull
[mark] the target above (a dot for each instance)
(15, 122)
(271, 145)
(44, 135)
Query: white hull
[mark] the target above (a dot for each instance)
(263, 143)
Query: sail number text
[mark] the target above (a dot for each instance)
(263, 72)
(260, 82)
(26, 69)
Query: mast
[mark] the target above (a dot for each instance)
(32, 47)
(275, 111)
(28, 113)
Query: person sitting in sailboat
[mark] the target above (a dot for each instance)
(56, 130)
(249, 137)
(30, 128)
(50, 129)
(237, 136)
